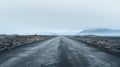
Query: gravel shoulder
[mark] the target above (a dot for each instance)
(108, 44)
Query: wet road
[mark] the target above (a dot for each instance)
(58, 52)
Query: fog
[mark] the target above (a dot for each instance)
(35, 16)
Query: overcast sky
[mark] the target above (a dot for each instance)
(26, 16)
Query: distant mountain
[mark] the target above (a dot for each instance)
(101, 31)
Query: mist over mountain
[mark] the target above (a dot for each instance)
(101, 31)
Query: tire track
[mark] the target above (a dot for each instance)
(70, 58)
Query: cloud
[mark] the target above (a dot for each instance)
(100, 7)
(29, 15)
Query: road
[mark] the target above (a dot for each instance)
(57, 52)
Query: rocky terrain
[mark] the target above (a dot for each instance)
(109, 44)
(11, 41)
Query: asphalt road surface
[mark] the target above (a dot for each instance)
(57, 52)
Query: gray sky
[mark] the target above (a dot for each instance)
(30, 16)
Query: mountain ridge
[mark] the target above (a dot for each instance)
(100, 30)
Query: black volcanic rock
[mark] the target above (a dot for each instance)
(12, 41)
(109, 44)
